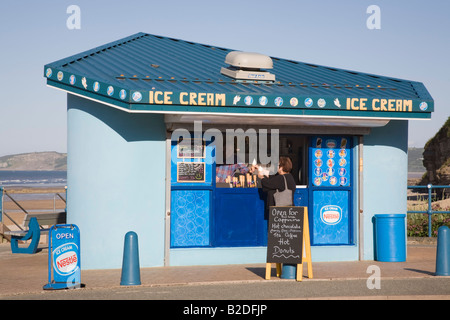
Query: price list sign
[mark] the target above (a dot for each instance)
(330, 161)
(285, 237)
(191, 172)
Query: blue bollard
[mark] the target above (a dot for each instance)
(130, 265)
(443, 252)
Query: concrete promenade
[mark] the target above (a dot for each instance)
(21, 274)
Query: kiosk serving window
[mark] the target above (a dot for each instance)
(222, 204)
(232, 173)
(217, 200)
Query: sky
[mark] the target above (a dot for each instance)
(413, 43)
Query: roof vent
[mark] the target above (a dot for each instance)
(247, 66)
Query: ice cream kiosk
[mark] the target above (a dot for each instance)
(133, 104)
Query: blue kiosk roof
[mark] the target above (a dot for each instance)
(150, 73)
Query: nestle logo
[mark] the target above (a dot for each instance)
(331, 214)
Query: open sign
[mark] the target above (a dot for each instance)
(64, 268)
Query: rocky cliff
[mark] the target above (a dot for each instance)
(34, 161)
(436, 157)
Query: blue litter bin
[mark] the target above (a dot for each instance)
(390, 237)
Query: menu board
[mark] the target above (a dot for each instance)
(331, 158)
(190, 172)
(285, 236)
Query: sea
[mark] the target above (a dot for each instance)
(32, 179)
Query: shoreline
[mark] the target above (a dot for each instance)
(33, 189)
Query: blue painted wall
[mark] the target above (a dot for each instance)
(385, 176)
(116, 182)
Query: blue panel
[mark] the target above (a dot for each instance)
(301, 197)
(239, 218)
(189, 223)
(330, 223)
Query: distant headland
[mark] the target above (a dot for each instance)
(35, 161)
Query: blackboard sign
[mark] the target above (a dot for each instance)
(285, 235)
(191, 172)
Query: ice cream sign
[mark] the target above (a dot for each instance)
(66, 259)
(64, 268)
(331, 214)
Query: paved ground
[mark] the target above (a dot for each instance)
(389, 289)
(23, 276)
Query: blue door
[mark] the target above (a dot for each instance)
(191, 196)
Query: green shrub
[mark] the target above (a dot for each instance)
(417, 224)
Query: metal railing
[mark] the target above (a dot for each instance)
(430, 210)
(4, 193)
